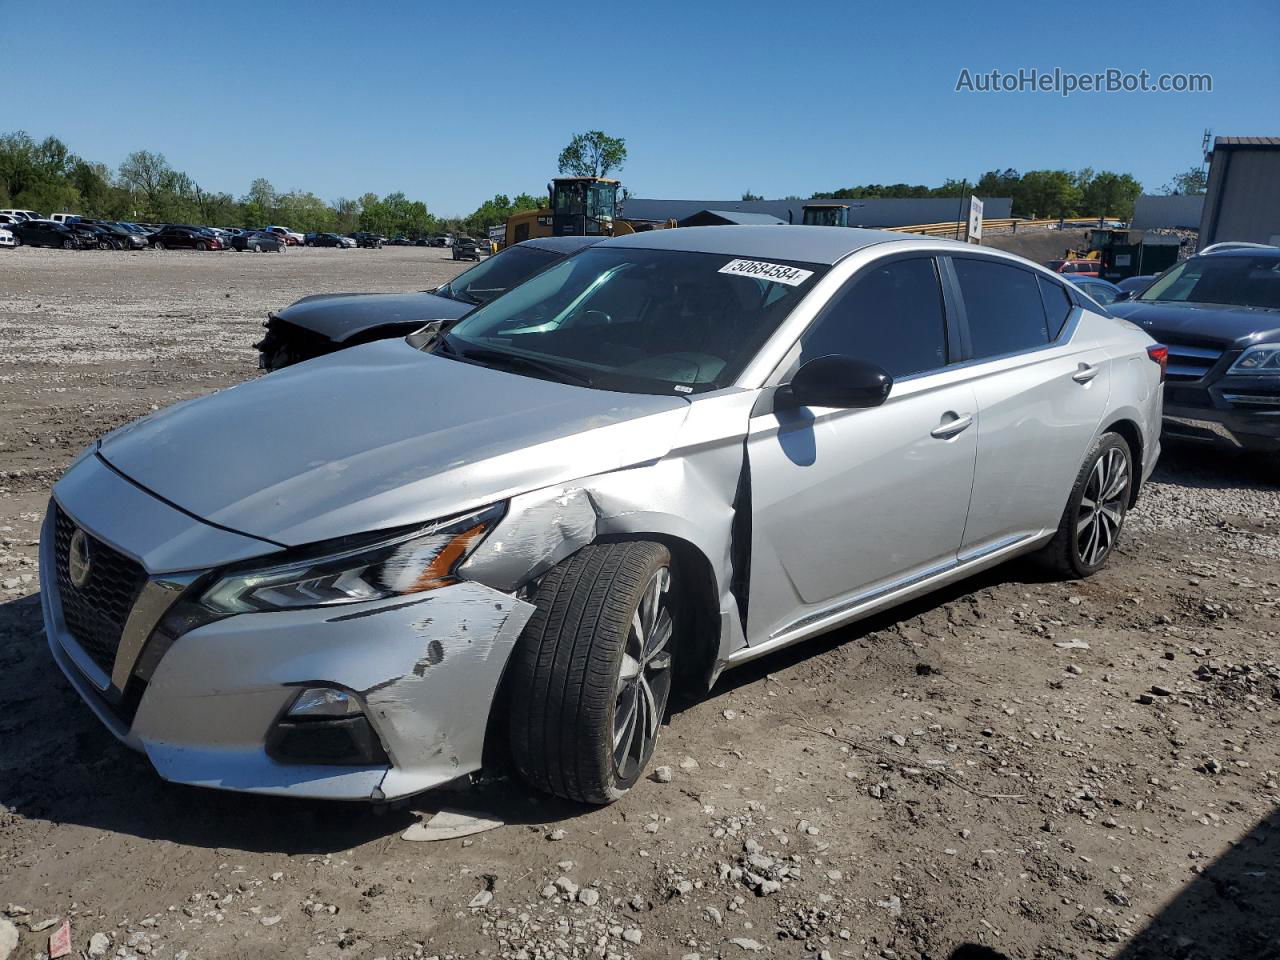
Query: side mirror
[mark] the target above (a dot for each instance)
(1123, 295)
(838, 381)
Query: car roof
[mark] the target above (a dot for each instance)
(1250, 252)
(826, 245)
(565, 245)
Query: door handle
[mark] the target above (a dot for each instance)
(950, 428)
(1085, 373)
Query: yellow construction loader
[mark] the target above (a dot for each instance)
(580, 207)
(827, 213)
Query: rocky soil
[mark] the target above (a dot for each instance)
(1014, 768)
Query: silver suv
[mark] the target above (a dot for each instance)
(662, 457)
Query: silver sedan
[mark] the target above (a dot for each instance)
(660, 458)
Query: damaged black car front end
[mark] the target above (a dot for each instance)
(324, 323)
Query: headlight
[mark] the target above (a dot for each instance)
(412, 561)
(1262, 360)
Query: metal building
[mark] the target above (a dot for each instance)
(1242, 201)
(869, 212)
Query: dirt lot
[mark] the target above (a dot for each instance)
(1015, 768)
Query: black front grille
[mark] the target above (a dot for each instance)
(1189, 361)
(95, 614)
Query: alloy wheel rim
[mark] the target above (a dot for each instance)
(644, 678)
(1102, 507)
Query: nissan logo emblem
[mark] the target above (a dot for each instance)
(79, 561)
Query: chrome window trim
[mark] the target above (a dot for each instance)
(770, 363)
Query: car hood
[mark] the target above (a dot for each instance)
(339, 316)
(1201, 323)
(380, 436)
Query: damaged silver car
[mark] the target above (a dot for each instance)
(665, 456)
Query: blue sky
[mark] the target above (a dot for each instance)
(453, 102)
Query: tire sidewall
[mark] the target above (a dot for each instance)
(1106, 443)
(615, 786)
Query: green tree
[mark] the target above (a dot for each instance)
(593, 154)
(1108, 194)
(1194, 182)
(149, 178)
(748, 196)
(1046, 193)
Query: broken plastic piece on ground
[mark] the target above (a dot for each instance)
(450, 825)
(60, 941)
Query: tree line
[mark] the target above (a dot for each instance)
(1038, 194)
(46, 176)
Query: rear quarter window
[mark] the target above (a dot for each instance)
(1003, 306)
(1057, 305)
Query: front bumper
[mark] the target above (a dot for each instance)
(1240, 413)
(425, 670)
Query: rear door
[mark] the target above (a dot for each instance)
(1041, 389)
(847, 503)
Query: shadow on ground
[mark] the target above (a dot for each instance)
(1229, 911)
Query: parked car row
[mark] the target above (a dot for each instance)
(73, 232)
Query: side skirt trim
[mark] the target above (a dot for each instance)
(871, 601)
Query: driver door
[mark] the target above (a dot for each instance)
(848, 505)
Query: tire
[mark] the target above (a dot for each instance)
(158, 245)
(587, 693)
(201, 245)
(255, 247)
(68, 244)
(1087, 536)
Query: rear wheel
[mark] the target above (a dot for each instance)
(592, 672)
(1095, 512)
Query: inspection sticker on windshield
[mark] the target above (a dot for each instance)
(776, 272)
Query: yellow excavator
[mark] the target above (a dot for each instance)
(580, 207)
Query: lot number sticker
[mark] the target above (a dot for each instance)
(775, 272)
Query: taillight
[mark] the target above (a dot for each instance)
(1159, 353)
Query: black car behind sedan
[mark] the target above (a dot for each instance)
(1219, 315)
(45, 233)
(315, 326)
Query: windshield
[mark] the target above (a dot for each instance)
(497, 275)
(568, 197)
(600, 200)
(1240, 281)
(824, 216)
(642, 321)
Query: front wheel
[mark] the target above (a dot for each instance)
(1095, 511)
(201, 245)
(159, 245)
(591, 674)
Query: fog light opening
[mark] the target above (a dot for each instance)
(324, 703)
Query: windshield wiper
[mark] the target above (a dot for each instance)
(501, 358)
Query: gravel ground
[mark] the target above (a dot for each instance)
(1012, 768)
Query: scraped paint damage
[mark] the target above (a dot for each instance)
(433, 712)
(689, 497)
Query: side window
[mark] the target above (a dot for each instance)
(1057, 305)
(1003, 307)
(891, 315)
